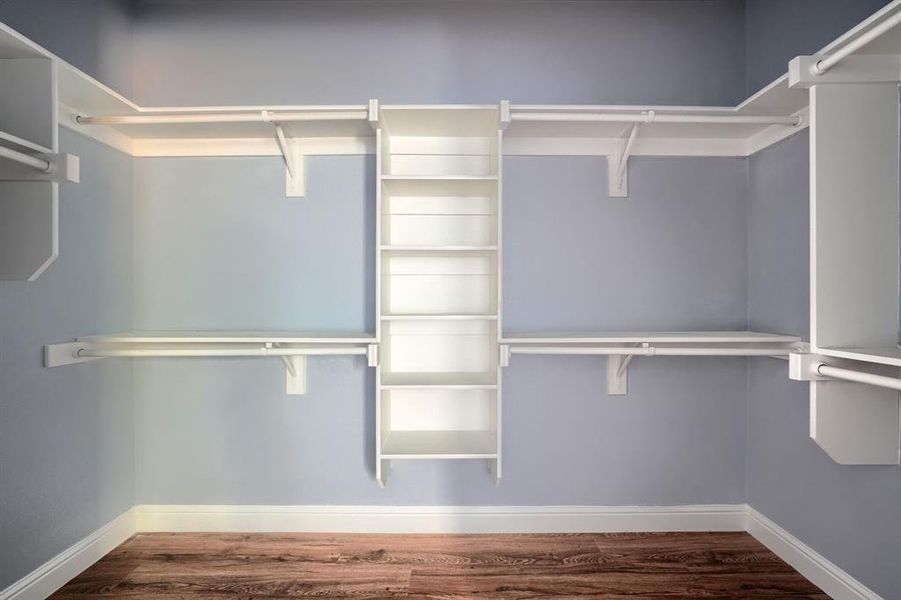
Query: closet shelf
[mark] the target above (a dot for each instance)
(484, 187)
(439, 380)
(439, 445)
(235, 122)
(621, 348)
(439, 178)
(233, 337)
(291, 347)
(636, 337)
(439, 248)
(667, 343)
(881, 356)
(440, 317)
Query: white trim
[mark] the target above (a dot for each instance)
(441, 519)
(805, 560)
(53, 574)
(56, 572)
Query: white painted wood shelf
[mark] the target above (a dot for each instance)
(231, 337)
(621, 348)
(448, 445)
(473, 380)
(633, 337)
(879, 356)
(291, 347)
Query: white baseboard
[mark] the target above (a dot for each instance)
(805, 560)
(54, 573)
(438, 519)
(441, 519)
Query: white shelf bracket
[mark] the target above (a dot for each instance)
(295, 173)
(58, 355)
(504, 355)
(382, 470)
(504, 117)
(618, 374)
(618, 163)
(295, 375)
(372, 114)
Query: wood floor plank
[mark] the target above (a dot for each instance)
(466, 550)
(287, 565)
(473, 583)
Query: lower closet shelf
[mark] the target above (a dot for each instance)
(439, 445)
(442, 380)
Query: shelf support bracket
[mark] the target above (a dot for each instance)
(295, 173)
(296, 375)
(504, 355)
(58, 355)
(618, 163)
(618, 373)
(504, 117)
(372, 114)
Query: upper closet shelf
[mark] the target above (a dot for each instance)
(231, 337)
(629, 337)
(291, 347)
(238, 122)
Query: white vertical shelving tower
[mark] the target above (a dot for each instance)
(438, 289)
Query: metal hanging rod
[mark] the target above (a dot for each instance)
(88, 352)
(264, 116)
(655, 117)
(823, 65)
(857, 376)
(649, 351)
(26, 159)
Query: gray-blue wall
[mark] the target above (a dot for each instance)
(67, 434)
(347, 51)
(214, 432)
(778, 30)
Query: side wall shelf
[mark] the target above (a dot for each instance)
(292, 348)
(621, 348)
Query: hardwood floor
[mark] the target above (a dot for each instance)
(644, 565)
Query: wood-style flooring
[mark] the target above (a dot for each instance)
(644, 565)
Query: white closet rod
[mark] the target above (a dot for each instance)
(649, 351)
(32, 161)
(857, 376)
(211, 352)
(653, 117)
(821, 66)
(236, 117)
